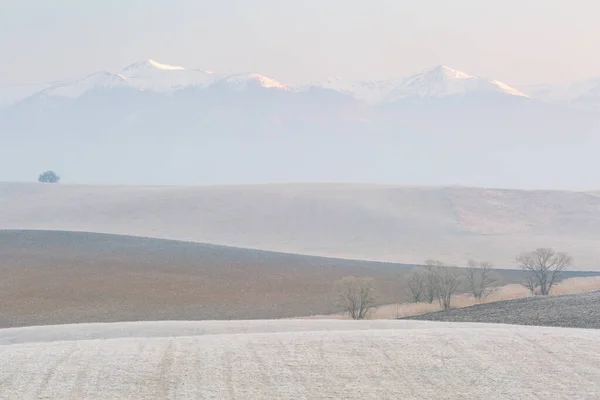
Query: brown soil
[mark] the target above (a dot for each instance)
(66, 277)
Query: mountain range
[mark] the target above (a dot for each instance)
(157, 123)
(437, 82)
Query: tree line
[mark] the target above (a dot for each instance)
(439, 282)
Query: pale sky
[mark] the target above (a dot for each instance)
(515, 41)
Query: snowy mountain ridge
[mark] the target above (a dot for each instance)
(150, 75)
(154, 76)
(76, 88)
(434, 83)
(149, 63)
(438, 82)
(582, 94)
(443, 81)
(245, 81)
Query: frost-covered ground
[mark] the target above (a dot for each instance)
(299, 360)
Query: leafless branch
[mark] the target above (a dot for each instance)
(481, 279)
(531, 284)
(417, 285)
(431, 279)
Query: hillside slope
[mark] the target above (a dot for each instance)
(72, 277)
(51, 277)
(577, 311)
(322, 360)
(373, 222)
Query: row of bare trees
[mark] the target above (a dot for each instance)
(437, 281)
(434, 282)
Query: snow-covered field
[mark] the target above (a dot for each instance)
(298, 359)
(370, 222)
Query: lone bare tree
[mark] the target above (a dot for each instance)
(356, 296)
(545, 266)
(448, 283)
(417, 284)
(481, 279)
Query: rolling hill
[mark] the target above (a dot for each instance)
(370, 222)
(75, 277)
(299, 360)
(53, 277)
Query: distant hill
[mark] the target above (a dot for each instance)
(370, 222)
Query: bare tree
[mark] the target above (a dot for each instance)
(448, 283)
(441, 283)
(531, 284)
(545, 266)
(356, 296)
(417, 284)
(432, 268)
(481, 279)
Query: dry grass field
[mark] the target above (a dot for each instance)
(507, 292)
(504, 293)
(70, 277)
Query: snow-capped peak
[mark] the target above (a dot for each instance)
(443, 72)
(245, 81)
(153, 76)
(444, 81)
(148, 75)
(437, 82)
(165, 66)
(151, 64)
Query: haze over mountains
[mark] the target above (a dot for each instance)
(153, 123)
